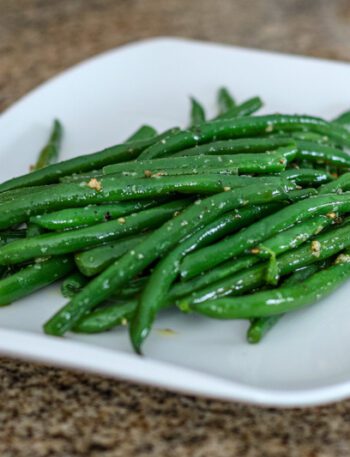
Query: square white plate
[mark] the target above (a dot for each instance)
(304, 360)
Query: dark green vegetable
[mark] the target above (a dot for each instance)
(111, 189)
(259, 326)
(343, 119)
(49, 154)
(321, 153)
(269, 162)
(244, 127)
(244, 109)
(340, 185)
(87, 237)
(237, 146)
(107, 317)
(83, 163)
(89, 215)
(157, 244)
(73, 284)
(145, 132)
(322, 247)
(307, 176)
(213, 255)
(280, 300)
(225, 100)
(93, 261)
(32, 278)
(197, 113)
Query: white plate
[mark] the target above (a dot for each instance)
(304, 360)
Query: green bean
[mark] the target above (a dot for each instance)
(237, 146)
(156, 245)
(225, 100)
(244, 127)
(87, 237)
(307, 176)
(83, 163)
(197, 113)
(73, 284)
(213, 255)
(328, 244)
(111, 189)
(49, 154)
(268, 162)
(259, 326)
(89, 215)
(316, 152)
(244, 109)
(280, 300)
(32, 278)
(145, 132)
(340, 185)
(95, 260)
(343, 119)
(154, 295)
(106, 318)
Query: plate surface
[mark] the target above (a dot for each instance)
(304, 360)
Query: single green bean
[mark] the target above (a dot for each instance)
(244, 127)
(197, 113)
(106, 318)
(225, 100)
(145, 132)
(89, 215)
(95, 260)
(87, 237)
(32, 278)
(307, 176)
(213, 255)
(339, 185)
(237, 146)
(244, 109)
(343, 119)
(156, 245)
(316, 152)
(280, 300)
(49, 154)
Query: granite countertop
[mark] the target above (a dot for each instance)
(51, 412)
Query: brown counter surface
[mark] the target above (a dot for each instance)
(52, 412)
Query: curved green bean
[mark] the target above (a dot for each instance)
(246, 108)
(49, 154)
(225, 100)
(197, 113)
(145, 132)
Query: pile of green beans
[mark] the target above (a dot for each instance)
(239, 216)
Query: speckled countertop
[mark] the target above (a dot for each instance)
(51, 412)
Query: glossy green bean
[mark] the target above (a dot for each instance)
(316, 152)
(145, 132)
(49, 154)
(260, 326)
(154, 295)
(87, 237)
(307, 176)
(339, 185)
(328, 244)
(237, 146)
(213, 255)
(89, 215)
(343, 119)
(111, 189)
(106, 318)
(83, 163)
(157, 244)
(269, 162)
(244, 127)
(244, 109)
(225, 100)
(280, 300)
(197, 115)
(32, 278)
(95, 260)
(72, 284)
